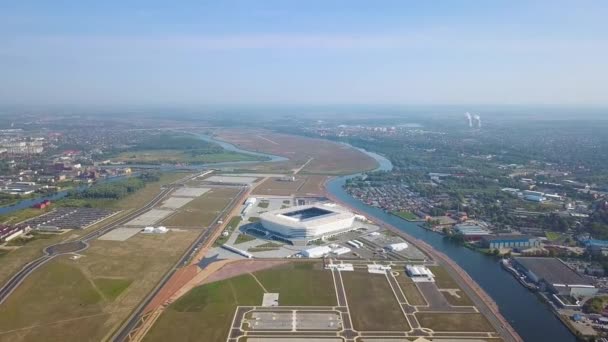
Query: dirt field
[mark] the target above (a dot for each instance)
(372, 303)
(310, 185)
(203, 210)
(85, 299)
(454, 322)
(325, 157)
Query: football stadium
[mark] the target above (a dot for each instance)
(302, 224)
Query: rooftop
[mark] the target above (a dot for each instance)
(553, 271)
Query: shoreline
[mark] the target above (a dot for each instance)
(501, 325)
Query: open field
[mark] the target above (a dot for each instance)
(276, 187)
(455, 296)
(372, 303)
(202, 211)
(412, 294)
(300, 284)
(206, 311)
(16, 258)
(319, 156)
(85, 299)
(473, 322)
(179, 156)
(232, 224)
(303, 186)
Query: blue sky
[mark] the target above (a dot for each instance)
(303, 52)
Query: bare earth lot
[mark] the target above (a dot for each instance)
(319, 156)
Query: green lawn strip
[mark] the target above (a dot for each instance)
(263, 204)
(406, 215)
(300, 284)
(112, 287)
(372, 304)
(442, 279)
(243, 238)
(205, 313)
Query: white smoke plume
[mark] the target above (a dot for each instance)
(470, 118)
(478, 119)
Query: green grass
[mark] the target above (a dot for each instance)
(442, 279)
(300, 284)
(37, 300)
(243, 238)
(406, 215)
(22, 215)
(412, 294)
(372, 304)
(553, 236)
(254, 219)
(454, 322)
(263, 204)
(112, 287)
(205, 313)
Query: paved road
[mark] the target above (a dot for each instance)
(80, 244)
(135, 319)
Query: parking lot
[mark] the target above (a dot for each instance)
(70, 218)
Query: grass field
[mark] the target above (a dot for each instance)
(444, 281)
(372, 303)
(206, 311)
(85, 299)
(406, 215)
(412, 294)
(454, 322)
(16, 258)
(243, 238)
(300, 284)
(178, 156)
(203, 210)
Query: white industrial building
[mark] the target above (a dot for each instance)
(157, 230)
(316, 252)
(397, 247)
(302, 224)
(419, 273)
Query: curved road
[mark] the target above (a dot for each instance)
(80, 244)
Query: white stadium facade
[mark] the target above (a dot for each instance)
(302, 224)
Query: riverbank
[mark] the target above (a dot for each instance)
(493, 314)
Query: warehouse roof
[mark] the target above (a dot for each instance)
(553, 271)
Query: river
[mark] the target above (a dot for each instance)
(531, 318)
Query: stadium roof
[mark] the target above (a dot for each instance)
(552, 271)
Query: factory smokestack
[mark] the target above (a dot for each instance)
(478, 119)
(470, 118)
